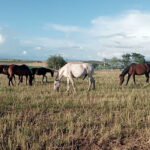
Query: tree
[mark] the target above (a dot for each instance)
(115, 62)
(138, 58)
(56, 62)
(126, 59)
(95, 65)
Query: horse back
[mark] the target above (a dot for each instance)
(139, 69)
(82, 69)
(19, 70)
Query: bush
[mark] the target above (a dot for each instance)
(56, 62)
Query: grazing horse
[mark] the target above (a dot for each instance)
(75, 70)
(21, 71)
(42, 71)
(135, 69)
(4, 69)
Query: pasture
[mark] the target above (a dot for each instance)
(111, 117)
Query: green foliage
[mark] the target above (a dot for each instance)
(132, 58)
(95, 65)
(56, 62)
(138, 58)
(126, 59)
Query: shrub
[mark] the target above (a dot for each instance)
(56, 62)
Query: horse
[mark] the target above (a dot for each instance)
(42, 71)
(4, 69)
(135, 69)
(20, 70)
(74, 70)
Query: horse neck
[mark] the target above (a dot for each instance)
(60, 74)
(48, 70)
(125, 71)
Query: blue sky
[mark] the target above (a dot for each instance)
(75, 29)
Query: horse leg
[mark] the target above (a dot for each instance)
(33, 76)
(20, 79)
(91, 83)
(147, 77)
(10, 81)
(73, 85)
(43, 79)
(128, 78)
(14, 79)
(26, 79)
(134, 78)
(68, 85)
(46, 78)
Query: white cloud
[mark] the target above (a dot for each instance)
(105, 37)
(129, 30)
(125, 33)
(24, 52)
(2, 39)
(38, 48)
(63, 28)
(50, 43)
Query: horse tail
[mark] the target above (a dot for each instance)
(11, 71)
(11, 74)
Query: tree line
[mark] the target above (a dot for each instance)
(58, 61)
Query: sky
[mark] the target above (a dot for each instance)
(74, 29)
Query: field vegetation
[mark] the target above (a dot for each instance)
(111, 117)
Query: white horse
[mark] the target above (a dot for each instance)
(75, 70)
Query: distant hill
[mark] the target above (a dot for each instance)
(9, 61)
(94, 62)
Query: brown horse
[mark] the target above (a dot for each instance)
(21, 71)
(135, 69)
(4, 69)
(42, 71)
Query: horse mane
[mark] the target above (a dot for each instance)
(126, 70)
(49, 70)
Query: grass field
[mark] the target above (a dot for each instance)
(111, 117)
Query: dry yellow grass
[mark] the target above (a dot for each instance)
(111, 117)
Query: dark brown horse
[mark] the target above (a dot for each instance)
(21, 71)
(42, 71)
(135, 69)
(4, 69)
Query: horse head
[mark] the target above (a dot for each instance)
(57, 84)
(52, 72)
(121, 77)
(30, 80)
